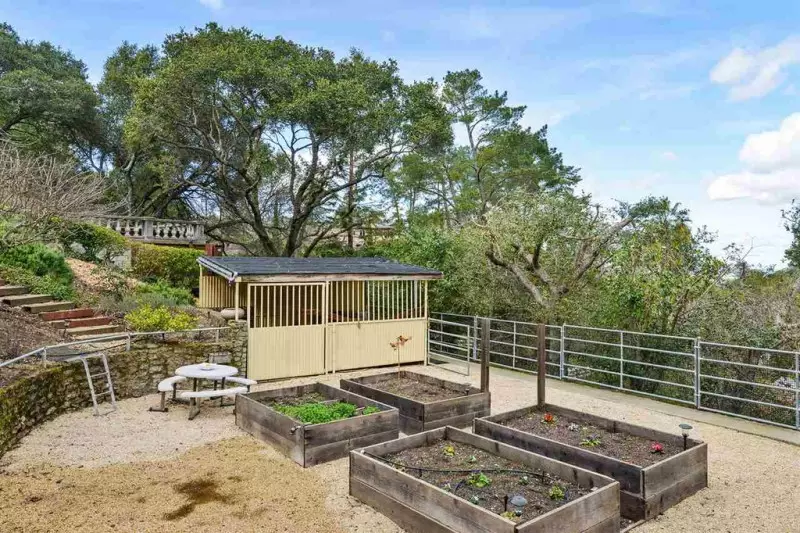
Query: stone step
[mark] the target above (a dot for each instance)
(45, 307)
(12, 290)
(93, 331)
(82, 312)
(26, 299)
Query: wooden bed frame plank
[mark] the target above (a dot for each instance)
(645, 491)
(419, 506)
(310, 444)
(416, 416)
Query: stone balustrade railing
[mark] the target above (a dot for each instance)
(154, 230)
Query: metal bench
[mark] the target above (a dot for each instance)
(242, 381)
(195, 396)
(165, 386)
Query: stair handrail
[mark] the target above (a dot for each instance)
(127, 335)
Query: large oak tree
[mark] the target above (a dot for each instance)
(271, 136)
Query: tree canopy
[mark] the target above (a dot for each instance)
(46, 101)
(286, 149)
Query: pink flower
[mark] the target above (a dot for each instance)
(656, 447)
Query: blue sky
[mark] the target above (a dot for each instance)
(646, 96)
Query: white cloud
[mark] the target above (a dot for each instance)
(774, 150)
(774, 188)
(669, 156)
(213, 4)
(772, 167)
(753, 74)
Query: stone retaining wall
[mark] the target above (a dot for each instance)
(44, 392)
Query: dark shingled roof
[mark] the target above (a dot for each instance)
(314, 266)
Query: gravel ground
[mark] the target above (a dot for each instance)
(754, 482)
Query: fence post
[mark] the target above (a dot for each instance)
(561, 354)
(514, 348)
(486, 324)
(44, 355)
(541, 353)
(697, 373)
(474, 338)
(621, 359)
(797, 391)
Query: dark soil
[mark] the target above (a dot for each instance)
(311, 397)
(415, 390)
(22, 332)
(534, 486)
(623, 446)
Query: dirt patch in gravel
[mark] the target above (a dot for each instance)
(415, 390)
(623, 446)
(232, 485)
(486, 479)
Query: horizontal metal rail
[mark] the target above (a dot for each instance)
(107, 338)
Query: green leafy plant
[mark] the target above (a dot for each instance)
(524, 480)
(176, 266)
(56, 288)
(39, 260)
(479, 480)
(370, 410)
(449, 451)
(592, 441)
(168, 293)
(96, 243)
(147, 318)
(320, 413)
(511, 515)
(556, 492)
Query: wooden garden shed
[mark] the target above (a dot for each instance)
(309, 316)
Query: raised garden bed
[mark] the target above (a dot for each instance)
(652, 467)
(424, 402)
(344, 421)
(448, 480)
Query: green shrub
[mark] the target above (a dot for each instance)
(98, 242)
(168, 294)
(176, 266)
(39, 260)
(148, 318)
(57, 288)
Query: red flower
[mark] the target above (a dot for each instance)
(548, 418)
(656, 447)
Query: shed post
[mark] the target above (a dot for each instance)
(485, 344)
(541, 352)
(236, 305)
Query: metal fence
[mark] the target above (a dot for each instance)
(126, 339)
(760, 384)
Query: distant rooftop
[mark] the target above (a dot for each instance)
(325, 267)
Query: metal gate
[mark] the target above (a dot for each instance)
(286, 329)
(451, 345)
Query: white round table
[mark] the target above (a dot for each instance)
(211, 371)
